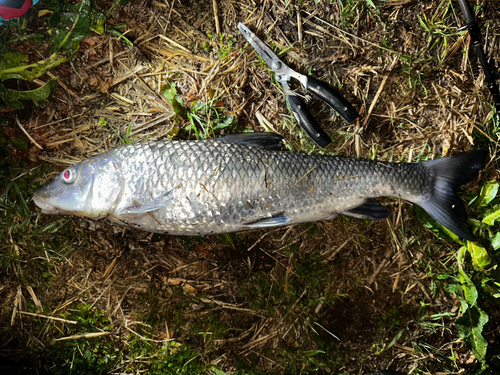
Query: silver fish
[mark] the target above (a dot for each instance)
(244, 181)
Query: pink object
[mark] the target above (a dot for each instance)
(13, 8)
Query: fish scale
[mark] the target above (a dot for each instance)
(239, 183)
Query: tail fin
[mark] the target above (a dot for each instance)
(442, 203)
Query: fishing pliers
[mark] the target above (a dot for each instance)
(320, 89)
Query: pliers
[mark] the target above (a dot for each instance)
(321, 89)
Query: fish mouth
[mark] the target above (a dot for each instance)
(45, 207)
(49, 210)
(40, 199)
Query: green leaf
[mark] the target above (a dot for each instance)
(422, 23)
(120, 36)
(371, 3)
(12, 59)
(13, 98)
(170, 92)
(492, 216)
(98, 22)
(70, 24)
(216, 371)
(495, 241)
(396, 339)
(13, 65)
(488, 193)
(443, 276)
(206, 46)
(468, 287)
(470, 327)
(480, 257)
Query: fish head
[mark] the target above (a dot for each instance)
(89, 189)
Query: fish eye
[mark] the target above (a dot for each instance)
(69, 175)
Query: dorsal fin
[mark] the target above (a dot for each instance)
(258, 139)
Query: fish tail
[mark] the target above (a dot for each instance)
(441, 202)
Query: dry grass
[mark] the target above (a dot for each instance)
(345, 287)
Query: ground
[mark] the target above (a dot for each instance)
(347, 296)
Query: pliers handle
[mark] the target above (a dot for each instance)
(326, 94)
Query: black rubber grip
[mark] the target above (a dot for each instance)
(331, 97)
(307, 121)
(465, 7)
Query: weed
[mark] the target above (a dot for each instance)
(168, 358)
(474, 280)
(225, 49)
(351, 10)
(441, 35)
(67, 26)
(207, 118)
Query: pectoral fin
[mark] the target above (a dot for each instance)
(271, 221)
(368, 209)
(153, 205)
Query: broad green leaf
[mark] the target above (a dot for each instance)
(471, 324)
(170, 92)
(13, 98)
(492, 216)
(453, 288)
(14, 65)
(98, 22)
(70, 24)
(495, 241)
(496, 294)
(488, 193)
(480, 257)
(12, 59)
(490, 287)
(468, 287)
(216, 371)
(470, 327)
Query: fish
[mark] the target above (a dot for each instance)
(246, 181)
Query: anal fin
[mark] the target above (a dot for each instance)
(368, 209)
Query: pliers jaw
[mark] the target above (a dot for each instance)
(284, 83)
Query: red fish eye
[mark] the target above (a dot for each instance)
(69, 175)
